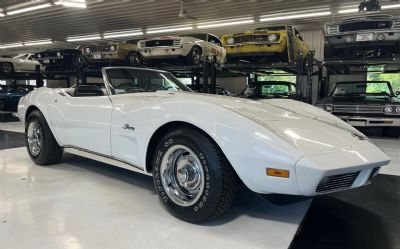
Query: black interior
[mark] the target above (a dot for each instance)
(87, 91)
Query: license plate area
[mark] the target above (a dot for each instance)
(365, 37)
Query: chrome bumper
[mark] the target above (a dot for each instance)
(360, 121)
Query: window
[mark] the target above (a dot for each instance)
(127, 80)
(362, 89)
(199, 36)
(215, 40)
(394, 79)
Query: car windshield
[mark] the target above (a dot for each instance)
(130, 80)
(362, 89)
(266, 90)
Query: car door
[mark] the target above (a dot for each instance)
(81, 121)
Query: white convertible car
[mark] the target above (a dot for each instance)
(194, 48)
(198, 147)
(19, 63)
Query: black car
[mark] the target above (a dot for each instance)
(61, 59)
(10, 95)
(269, 90)
(365, 104)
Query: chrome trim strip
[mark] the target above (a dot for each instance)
(104, 159)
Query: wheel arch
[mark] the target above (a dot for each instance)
(151, 146)
(29, 110)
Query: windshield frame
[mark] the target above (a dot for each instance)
(164, 74)
(271, 83)
(391, 94)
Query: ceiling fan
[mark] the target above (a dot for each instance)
(183, 12)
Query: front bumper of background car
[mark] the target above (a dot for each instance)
(350, 39)
(364, 121)
(166, 52)
(254, 49)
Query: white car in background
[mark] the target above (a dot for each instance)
(20, 63)
(193, 48)
(198, 147)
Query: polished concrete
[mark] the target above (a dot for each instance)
(81, 203)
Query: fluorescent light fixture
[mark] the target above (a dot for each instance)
(83, 38)
(11, 45)
(390, 6)
(18, 11)
(348, 11)
(168, 29)
(37, 43)
(2, 14)
(125, 33)
(224, 23)
(72, 3)
(294, 15)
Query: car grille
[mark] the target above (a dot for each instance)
(162, 43)
(337, 182)
(366, 25)
(357, 109)
(396, 24)
(101, 49)
(333, 29)
(251, 38)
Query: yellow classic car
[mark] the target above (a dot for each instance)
(279, 43)
(113, 53)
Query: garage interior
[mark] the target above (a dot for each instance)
(81, 203)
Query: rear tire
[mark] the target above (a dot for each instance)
(194, 56)
(7, 67)
(192, 176)
(40, 142)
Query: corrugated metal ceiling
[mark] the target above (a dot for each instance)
(58, 22)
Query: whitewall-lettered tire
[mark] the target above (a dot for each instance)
(192, 177)
(40, 142)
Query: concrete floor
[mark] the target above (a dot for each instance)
(81, 203)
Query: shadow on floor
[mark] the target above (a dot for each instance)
(361, 218)
(10, 140)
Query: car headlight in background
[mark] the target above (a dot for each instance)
(388, 109)
(230, 40)
(380, 37)
(328, 108)
(397, 109)
(58, 54)
(88, 50)
(348, 38)
(273, 38)
(113, 49)
(39, 56)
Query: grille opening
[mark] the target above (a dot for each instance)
(374, 173)
(337, 182)
(366, 25)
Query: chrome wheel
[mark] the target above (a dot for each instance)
(182, 175)
(196, 55)
(34, 138)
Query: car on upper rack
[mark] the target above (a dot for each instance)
(20, 63)
(124, 53)
(10, 96)
(61, 59)
(190, 49)
(363, 37)
(198, 147)
(365, 104)
(270, 89)
(266, 44)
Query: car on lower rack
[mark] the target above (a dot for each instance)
(269, 90)
(10, 96)
(363, 37)
(266, 44)
(190, 49)
(61, 59)
(124, 53)
(198, 147)
(19, 63)
(365, 104)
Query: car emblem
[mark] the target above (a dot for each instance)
(128, 127)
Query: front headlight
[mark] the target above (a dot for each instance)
(58, 54)
(88, 50)
(329, 108)
(388, 109)
(113, 49)
(398, 109)
(39, 56)
(348, 38)
(230, 40)
(273, 38)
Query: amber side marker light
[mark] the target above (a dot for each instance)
(278, 173)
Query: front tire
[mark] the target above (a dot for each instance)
(7, 67)
(194, 56)
(192, 176)
(40, 142)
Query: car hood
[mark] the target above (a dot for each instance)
(360, 100)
